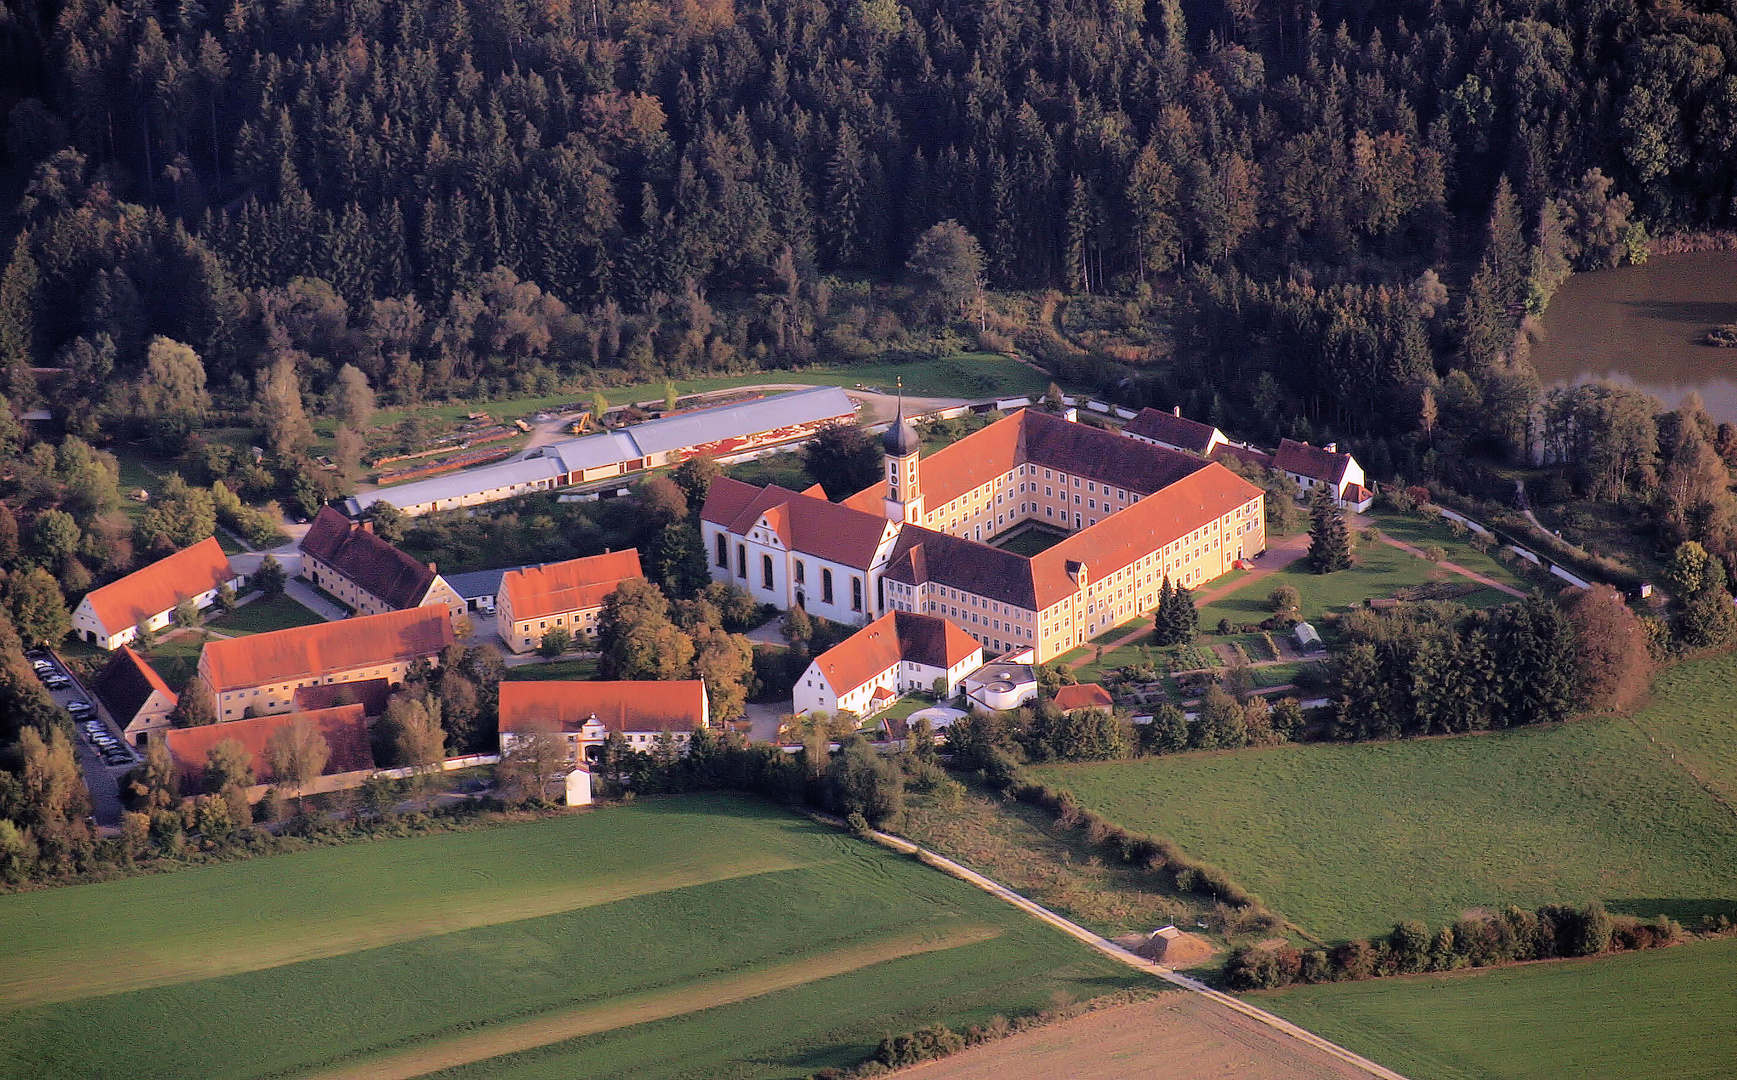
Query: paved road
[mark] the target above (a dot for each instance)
(101, 778)
(1140, 963)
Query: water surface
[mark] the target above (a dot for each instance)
(1642, 325)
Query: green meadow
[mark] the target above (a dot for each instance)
(705, 936)
(1660, 1015)
(1345, 840)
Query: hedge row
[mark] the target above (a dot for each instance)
(1514, 935)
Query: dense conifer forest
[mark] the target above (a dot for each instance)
(1308, 213)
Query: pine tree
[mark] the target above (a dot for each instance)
(1185, 623)
(1161, 619)
(1329, 536)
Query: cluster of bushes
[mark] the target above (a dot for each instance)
(258, 526)
(1512, 936)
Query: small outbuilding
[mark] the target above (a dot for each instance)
(579, 785)
(1308, 640)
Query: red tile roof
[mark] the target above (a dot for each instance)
(345, 730)
(1087, 695)
(1033, 584)
(1311, 461)
(126, 682)
(376, 566)
(371, 694)
(1029, 437)
(895, 636)
(325, 648)
(1171, 428)
(926, 555)
(157, 588)
(620, 706)
(827, 530)
(533, 592)
(1146, 526)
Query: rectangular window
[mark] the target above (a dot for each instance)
(825, 585)
(855, 593)
(741, 560)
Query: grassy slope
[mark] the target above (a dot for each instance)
(1662, 1015)
(1346, 839)
(1381, 571)
(816, 891)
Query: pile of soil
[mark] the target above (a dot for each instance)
(1185, 950)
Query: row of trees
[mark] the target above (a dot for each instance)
(1513, 935)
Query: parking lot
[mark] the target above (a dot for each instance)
(102, 753)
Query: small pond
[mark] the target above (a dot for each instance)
(1643, 325)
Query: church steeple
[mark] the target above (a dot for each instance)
(904, 501)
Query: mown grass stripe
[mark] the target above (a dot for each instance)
(644, 1008)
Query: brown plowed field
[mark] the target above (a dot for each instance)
(1178, 1036)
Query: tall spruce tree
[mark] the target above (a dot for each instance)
(1329, 536)
(1176, 621)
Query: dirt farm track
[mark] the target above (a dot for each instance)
(1178, 1036)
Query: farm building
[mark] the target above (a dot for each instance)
(1173, 431)
(262, 672)
(109, 617)
(719, 431)
(479, 588)
(585, 714)
(371, 694)
(137, 698)
(343, 727)
(566, 595)
(1313, 466)
(899, 652)
(346, 559)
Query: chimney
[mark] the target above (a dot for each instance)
(431, 569)
(367, 527)
(1176, 410)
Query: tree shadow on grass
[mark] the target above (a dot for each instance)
(1688, 912)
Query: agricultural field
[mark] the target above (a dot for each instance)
(1347, 839)
(1659, 1015)
(705, 936)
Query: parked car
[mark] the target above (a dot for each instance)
(78, 707)
(42, 665)
(56, 682)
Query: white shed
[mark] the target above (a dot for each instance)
(579, 786)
